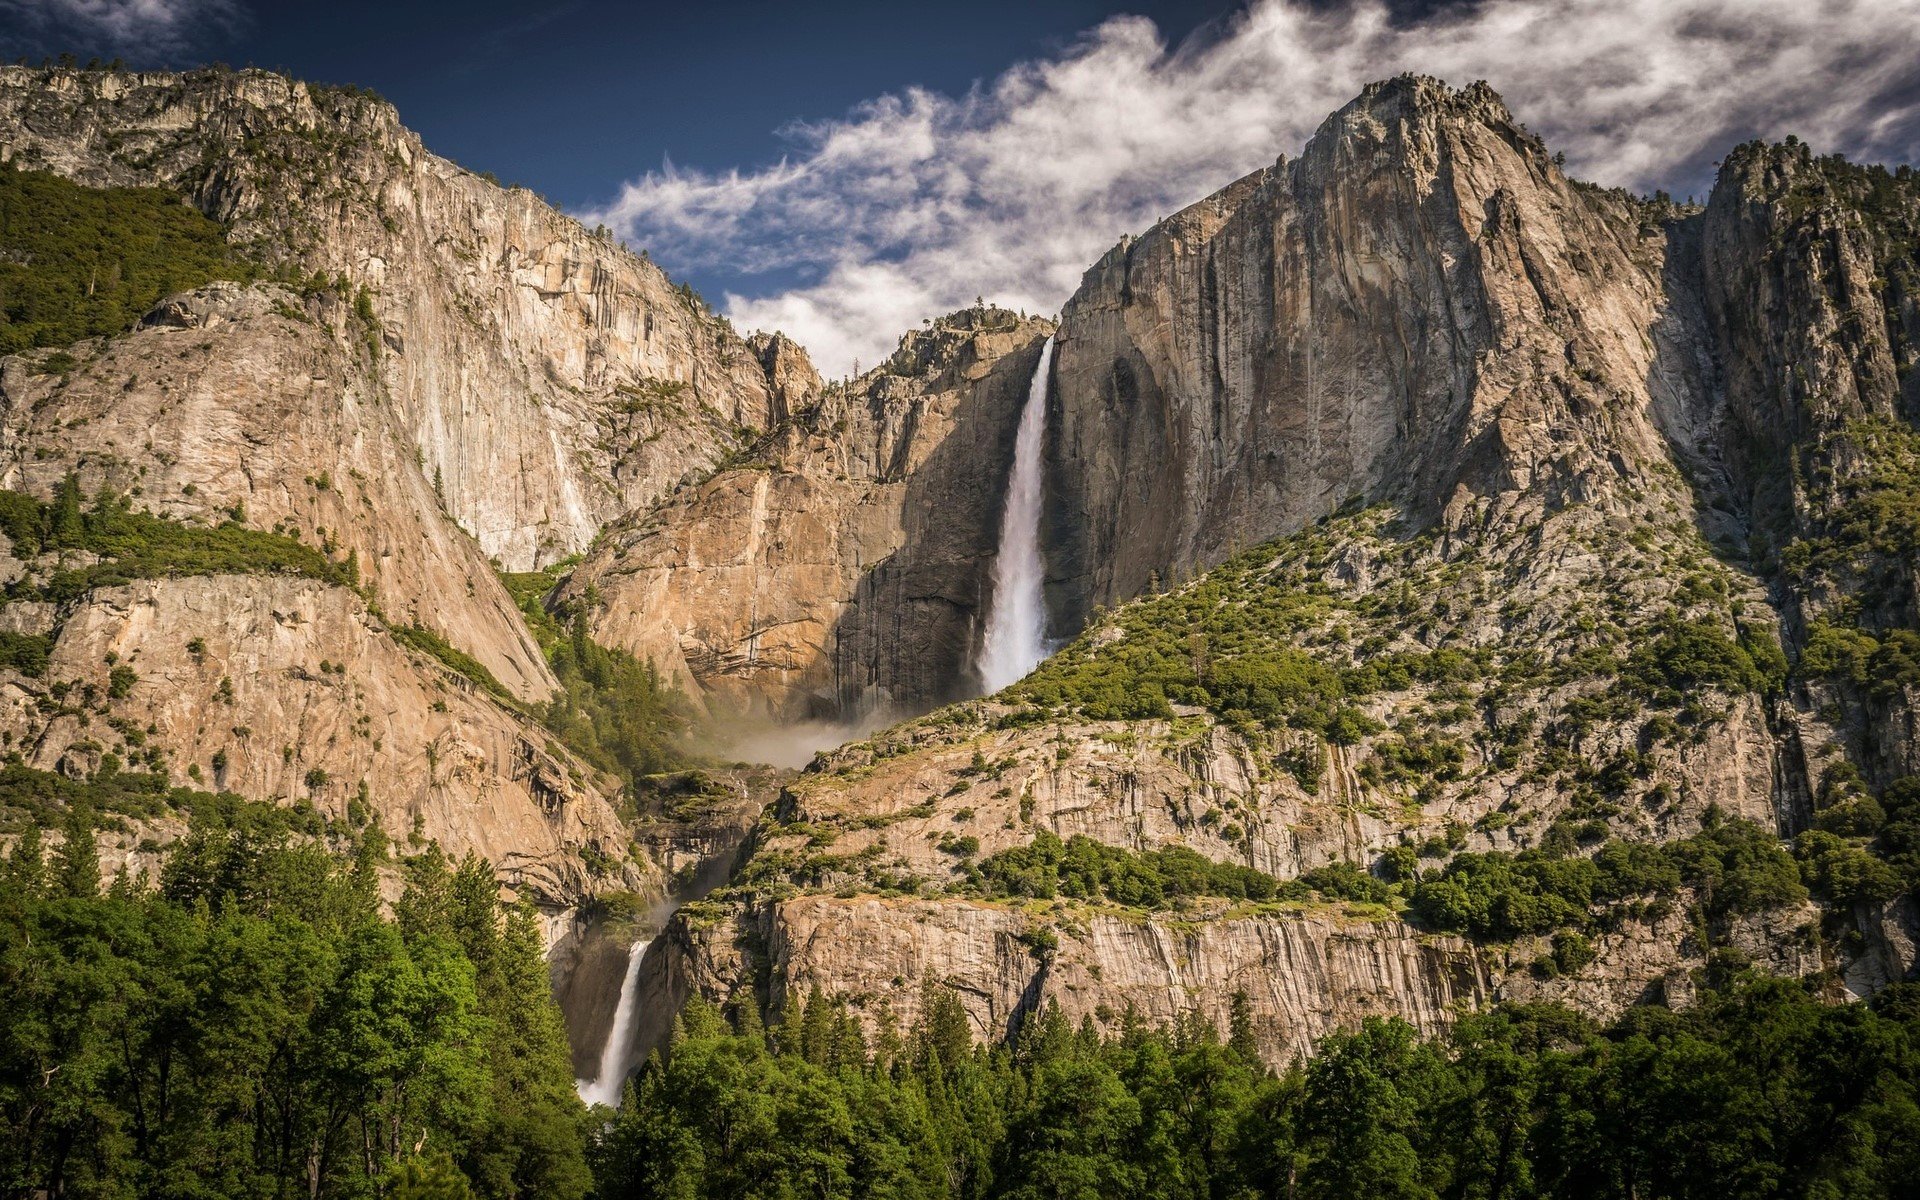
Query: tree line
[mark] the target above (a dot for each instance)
(1760, 1090)
(254, 1025)
(254, 1022)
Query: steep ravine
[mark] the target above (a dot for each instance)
(842, 568)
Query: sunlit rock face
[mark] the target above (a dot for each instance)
(549, 378)
(1419, 308)
(1503, 411)
(844, 567)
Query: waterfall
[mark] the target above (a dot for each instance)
(1016, 638)
(605, 1087)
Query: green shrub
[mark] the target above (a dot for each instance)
(79, 262)
(429, 642)
(1843, 872)
(1681, 655)
(25, 652)
(1735, 865)
(120, 682)
(138, 545)
(1088, 870)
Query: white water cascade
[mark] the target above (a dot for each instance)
(606, 1086)
(1016, 638)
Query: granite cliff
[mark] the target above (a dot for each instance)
(444, 377)
(1569, 489)
(1476, 580)
(842, 567)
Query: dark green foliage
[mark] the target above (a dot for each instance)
(612, 709)
(1760, 1090)
(1085, 869)
(1864, 540)
(78, 262)
(1899, 834)
(529, 590)
(40, 799)
(1843, 872)
(138, 545)
(25, 652)
(120, 682)
(430, 643)
(1680, 656)
(1224, 644)
(254, 1028)
(1734, 865)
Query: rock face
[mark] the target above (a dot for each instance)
(257, 403)
(550, 379)
(1421, 308)
(845, 567)
(455, 372)
(288, 689)
(1305, 975)
(253, 400)
(1491, 412)
(1536, 471)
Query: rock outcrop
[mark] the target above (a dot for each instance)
(253, 400)
(550, 379)
(844, 567)
(1421, 308)
(450, 371)
(290, 690)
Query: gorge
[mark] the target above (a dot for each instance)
(1408, 583)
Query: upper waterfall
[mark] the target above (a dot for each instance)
(1016, 638)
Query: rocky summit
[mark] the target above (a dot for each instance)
(1474, 593)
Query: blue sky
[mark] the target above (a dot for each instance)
(572, 98)
(843, 171)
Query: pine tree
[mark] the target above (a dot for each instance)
(1240, 1037)
(25, 876)
(65, 524)
(76, 864)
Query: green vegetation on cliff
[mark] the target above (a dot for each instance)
(1761, 1090)
(79, 262)
(1279, 637)
(34, 799)
(1732, 866)
(1083, 869)
(612, 709)
(129, 545)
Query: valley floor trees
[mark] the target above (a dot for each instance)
(1760, 1091)
(255, 1027)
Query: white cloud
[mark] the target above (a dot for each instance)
(914, 203)
(141, 27)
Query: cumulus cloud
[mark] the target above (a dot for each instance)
(145, 28)
(914, 203)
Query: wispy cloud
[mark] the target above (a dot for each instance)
(144, 28)
(916, 202)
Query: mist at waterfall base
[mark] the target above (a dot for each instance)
(606, 1085)
(1016, 638)
(793, 745)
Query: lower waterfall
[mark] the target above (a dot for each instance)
(607, 1084)
(1016, 637)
